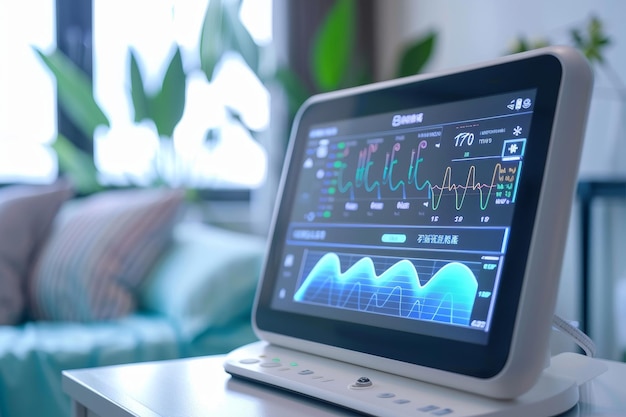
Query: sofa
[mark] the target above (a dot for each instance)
(191, 295)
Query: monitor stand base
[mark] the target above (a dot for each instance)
(382, 394)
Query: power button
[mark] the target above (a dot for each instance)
(362, 382)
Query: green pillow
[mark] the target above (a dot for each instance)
(207, 279)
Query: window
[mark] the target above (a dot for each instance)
(131, 153)
(128, 153)
(27, 98)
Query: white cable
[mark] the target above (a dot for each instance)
(575, 333)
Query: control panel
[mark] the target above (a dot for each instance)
(382, 394)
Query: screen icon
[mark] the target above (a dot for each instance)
(519, 103)
(513, 150)
(511, 105)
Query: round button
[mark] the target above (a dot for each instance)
(362, 382)
(249, 361)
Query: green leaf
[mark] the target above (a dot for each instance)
(137, 90)
(522, 45)
(168, 104)
(332, 46)
(593, 43)
(77, 165)
(237, 37)
(75, 92)
(212, 45)
(416, 55)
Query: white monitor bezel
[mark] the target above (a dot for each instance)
(530, 328)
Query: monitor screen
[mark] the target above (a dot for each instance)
(402, 219)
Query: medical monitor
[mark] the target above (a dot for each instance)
(421, 222)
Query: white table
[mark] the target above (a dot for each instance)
(200, 387)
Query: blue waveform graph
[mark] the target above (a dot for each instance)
(448, 296)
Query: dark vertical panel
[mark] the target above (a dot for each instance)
(74, 38)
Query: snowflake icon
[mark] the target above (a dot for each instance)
(517, 130)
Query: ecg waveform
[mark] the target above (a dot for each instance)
(372, 180)
(448, 296)
(460, 190)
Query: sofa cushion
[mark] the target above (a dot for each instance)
(26, 213)
(33, 356)
(207, 279)
(99, 252)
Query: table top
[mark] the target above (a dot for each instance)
(200, 387)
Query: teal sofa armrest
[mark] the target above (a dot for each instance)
(206, 279)
(33, 355)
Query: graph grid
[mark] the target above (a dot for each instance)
(424, 289)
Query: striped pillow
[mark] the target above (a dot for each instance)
(99, 252)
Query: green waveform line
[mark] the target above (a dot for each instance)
(435, 192)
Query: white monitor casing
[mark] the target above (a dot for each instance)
(529, 344)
